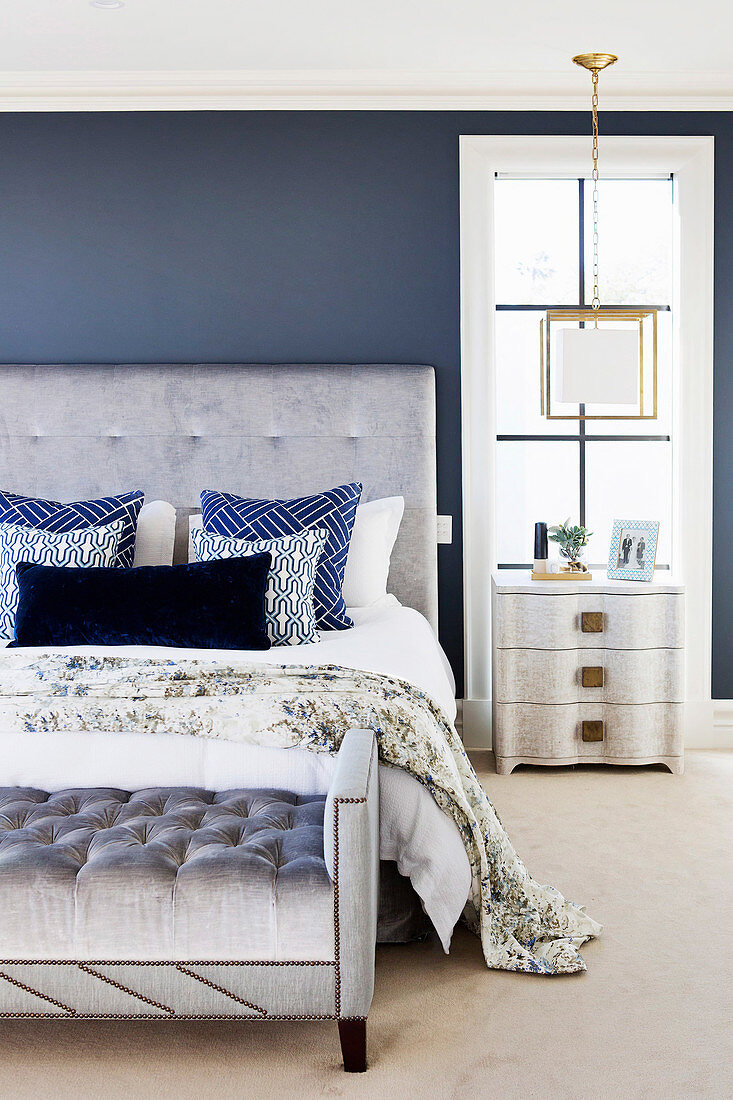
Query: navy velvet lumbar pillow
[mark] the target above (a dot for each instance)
(203, 605)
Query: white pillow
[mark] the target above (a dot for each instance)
(367, 565)
(195, 523)
(156, 534)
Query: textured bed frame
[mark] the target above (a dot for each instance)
(74, 431)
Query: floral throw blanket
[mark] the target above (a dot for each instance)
(523, 925)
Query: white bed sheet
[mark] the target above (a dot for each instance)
(386, 638)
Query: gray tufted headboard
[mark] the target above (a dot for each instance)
(73, 431)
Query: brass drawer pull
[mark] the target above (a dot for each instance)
(592, 731)
(592, 676)
(591, 622)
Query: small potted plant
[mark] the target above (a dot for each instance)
(572, 541)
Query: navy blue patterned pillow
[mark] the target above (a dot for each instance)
(50, 515)
(333, 512)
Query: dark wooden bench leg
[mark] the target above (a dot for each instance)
(352, 1034)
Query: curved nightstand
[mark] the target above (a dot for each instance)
(587, 671)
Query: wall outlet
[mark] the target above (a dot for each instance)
(445, 528)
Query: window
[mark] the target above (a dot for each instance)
(590, 470)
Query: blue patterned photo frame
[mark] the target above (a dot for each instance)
(633, 550)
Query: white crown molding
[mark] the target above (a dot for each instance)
(358, 90)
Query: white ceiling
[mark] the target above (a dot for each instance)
(500, 51)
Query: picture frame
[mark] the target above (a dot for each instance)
(632, 554)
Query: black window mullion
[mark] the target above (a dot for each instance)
(589, 438)
(542, 307)
(581, 302)
(591, 565)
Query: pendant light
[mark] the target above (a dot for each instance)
(596, 353)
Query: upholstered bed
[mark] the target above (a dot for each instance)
(75, 431)
(143, 776)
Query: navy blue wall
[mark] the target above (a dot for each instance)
(303, 237)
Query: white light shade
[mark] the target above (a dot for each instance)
(597, 366)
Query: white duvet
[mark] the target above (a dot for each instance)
(386, 638)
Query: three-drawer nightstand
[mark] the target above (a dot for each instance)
(587, 671)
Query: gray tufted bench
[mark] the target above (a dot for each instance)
(173, 903)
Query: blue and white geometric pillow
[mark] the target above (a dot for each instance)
(92, 546)
(289, 610)
(333, 511)
(50, 515)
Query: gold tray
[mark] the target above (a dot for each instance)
(567, 576)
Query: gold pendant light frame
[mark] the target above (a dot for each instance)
(588, 315)
(596, 63)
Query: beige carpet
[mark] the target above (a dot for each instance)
(650, 854)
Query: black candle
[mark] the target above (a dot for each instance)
(540, 541)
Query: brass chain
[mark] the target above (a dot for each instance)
(596, 301)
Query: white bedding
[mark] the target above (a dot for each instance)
(387, 638)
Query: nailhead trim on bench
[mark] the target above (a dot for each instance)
(337, 803)
(167, 962)
(152, 1015)
(70, 1013)
(36, 993)
(221, 989)
(125, 989)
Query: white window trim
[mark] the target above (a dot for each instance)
(691, 161)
